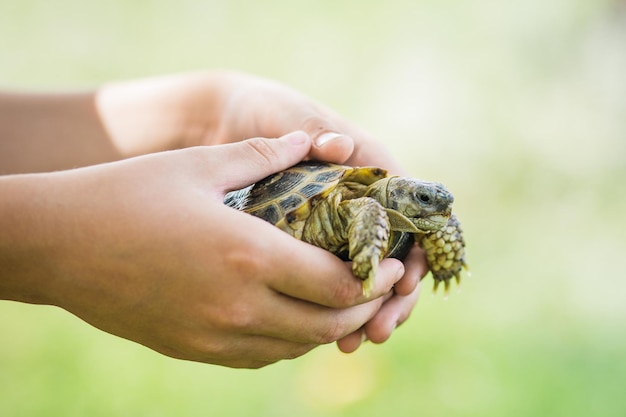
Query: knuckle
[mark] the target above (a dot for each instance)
(299, 351)
(346, 294)
(205, 349)
(262, 148)
(239, 317)
(236, 318)
(332, 333)
(316, 118)
(316, 123)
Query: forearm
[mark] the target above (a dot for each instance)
(48, 132)
(26, 221)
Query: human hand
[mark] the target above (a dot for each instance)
(224, 107)
(257, 106)
(145, 249)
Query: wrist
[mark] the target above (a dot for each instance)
(25, 245)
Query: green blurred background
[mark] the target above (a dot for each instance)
(519, 107)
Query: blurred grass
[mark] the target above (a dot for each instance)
(519, 107)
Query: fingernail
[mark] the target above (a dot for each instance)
(324, 138)
(296, 138)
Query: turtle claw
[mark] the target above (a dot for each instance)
(436, 285)
(457, 278)
(368, 286)
(446, 279)
(366, 271)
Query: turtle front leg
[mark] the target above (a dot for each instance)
(368, 237)
(445, 253)
(359, 226)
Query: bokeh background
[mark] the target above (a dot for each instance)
(519, 107)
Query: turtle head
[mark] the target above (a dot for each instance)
(427, 205)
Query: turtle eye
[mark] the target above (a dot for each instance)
(424, 198)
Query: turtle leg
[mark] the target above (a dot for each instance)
(368, 237)
(445, 253)
(358, 226)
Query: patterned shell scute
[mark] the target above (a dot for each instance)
(285, 194)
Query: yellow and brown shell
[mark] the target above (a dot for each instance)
(286, 198)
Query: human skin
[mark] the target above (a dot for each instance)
(246, 106)
(192, 289)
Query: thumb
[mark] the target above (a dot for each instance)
(243, 163)
(329, 143)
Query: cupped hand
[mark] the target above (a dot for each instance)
(258, 106)
(212, 108)
(151, 253)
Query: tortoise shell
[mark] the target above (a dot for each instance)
(286, 198)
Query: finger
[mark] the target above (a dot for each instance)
(415, 268)
(295, 300)
(253, 351)
(317, 276)
(392, 314)
(351, 342)
(310, 323)
(330, 144)
(364, 149)
(240, 164)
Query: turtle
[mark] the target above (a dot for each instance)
(360, 214)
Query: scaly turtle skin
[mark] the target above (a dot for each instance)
(360, 214)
